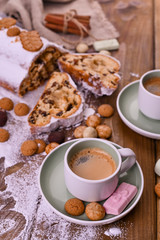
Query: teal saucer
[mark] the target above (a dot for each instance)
(127, 106)
(54, 191)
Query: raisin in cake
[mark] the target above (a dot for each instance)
(23, 70)
(95, 72)
(60, 105)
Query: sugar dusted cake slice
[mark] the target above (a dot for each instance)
(95, 72)
(60, 105)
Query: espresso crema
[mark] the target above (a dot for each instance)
(93, 164)
(152, 85)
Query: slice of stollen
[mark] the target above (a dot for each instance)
(96, 72)
(60, 105)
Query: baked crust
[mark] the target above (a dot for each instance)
(60, 100)
(96, 72)
(23, 70)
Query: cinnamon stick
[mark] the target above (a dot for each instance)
(59, 20)
(59, 28)
(78, 17)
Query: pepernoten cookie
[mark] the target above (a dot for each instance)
(41, 145)
(13, 31)
(93, 121)
(74, 206)
(78, 132)
(6, 103)
(21, 109)
(95, 211)
(29, 147)
(51, 146)
(31, 41)
(4, 135)
(105, 110)
(7, 22)
(157, 189)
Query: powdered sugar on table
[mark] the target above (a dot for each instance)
(24, 214)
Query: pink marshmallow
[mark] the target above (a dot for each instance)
(117, 202)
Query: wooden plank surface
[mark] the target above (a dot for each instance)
(136, 56)
(138, 53)
(157, 66)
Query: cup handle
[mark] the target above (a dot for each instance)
(130, 161)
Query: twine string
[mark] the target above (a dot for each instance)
(70, 16)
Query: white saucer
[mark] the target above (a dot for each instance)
(127, 106)
(53, 188)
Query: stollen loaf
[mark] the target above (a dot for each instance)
(23, 67)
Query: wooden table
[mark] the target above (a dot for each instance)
(138, 23)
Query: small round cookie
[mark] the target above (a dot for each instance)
(105, 110)
(56, 136)
(78, 132)
(93, 121)
(157, 189)
(6, 104)
(104, 131)
(21, 109)
(3, 117)
(13, 31)
(29, 147)
(7, 22)
(41, 145)
(51, 146)
(90, 132)
(4, 135)
(74, 206)
(95, 211)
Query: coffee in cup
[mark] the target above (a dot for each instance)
(95, 184)
(92, 163)
(149, 94)
(152, 85)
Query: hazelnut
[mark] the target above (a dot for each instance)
(56, 136)
(3, 117)
(82, 48)
(104, 131)
(105, 110)
(78, 132)
(50, 147)
(89, 132)
(105, 52)
(93, 121)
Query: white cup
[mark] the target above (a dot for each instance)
(149, 103)
(96, 190)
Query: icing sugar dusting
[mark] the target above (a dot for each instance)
(24, 214)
